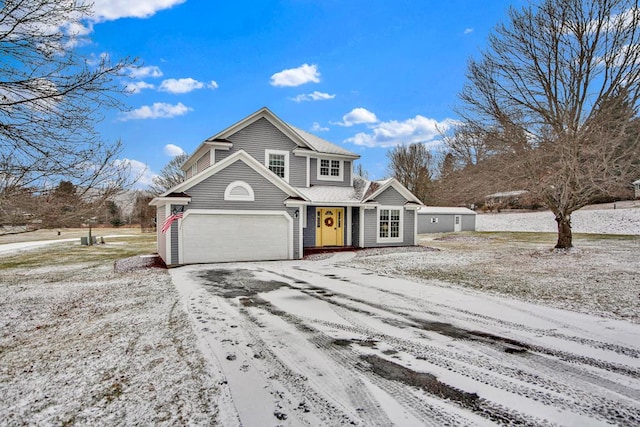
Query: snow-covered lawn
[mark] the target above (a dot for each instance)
(596, 219)
(470, 329)
(81, 344)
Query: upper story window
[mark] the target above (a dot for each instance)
(330, 170)
(278, 162)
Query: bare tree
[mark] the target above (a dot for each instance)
(170, 175)
(412, 165)
(468, 146)
(143, 212)
(361, 171)
(51, 98)
(558, 89)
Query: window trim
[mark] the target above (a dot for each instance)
(400, 237)
(248, 198)
(284, 153)
(321, 177)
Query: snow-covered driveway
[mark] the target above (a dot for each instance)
(322, 343)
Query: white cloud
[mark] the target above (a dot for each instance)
(392, 133)
(316, 127)
(156, 111)
(141, 72)
(180, 85)
(296, 76)
(139, 171)
(172, 150)
(109, 10)
(137, 87)
(213, 84)
(468, 31)
(358, 116)
(315, 96)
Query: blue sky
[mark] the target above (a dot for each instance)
(367, 75)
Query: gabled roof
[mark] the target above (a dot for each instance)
(378, 187)
(363, 192)
(302, 139)
(247, 159)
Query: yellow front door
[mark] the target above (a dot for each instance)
(329, 226)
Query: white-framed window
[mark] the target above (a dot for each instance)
(278, 162)
(240, 191)
(330, 170)
(390, 224)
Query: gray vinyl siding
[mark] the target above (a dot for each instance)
(355, 226)
(409, 226)
(469, 222)
(391, 197)
(174, 240)
(296, 232)
(309, 236)
(445, 223)
(203, 162)
(209, 194)
(346, 174)
(260, 136)
(370, 228)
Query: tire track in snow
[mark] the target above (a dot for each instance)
(491, 322)
(530, 385)
(293, 391)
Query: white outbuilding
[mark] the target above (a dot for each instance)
(438, 219)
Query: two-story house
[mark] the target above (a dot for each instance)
(265, 190)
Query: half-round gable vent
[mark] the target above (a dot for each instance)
(239, 190)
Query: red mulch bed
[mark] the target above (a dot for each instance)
(139, 263)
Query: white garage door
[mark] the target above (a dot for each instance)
(221, 237)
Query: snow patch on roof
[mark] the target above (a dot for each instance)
(330, 194)
(443, 210)
(320, 145)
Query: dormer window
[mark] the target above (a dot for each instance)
(330, 169)
(278, 162)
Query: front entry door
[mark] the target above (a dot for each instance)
(329, 226)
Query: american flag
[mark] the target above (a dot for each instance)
(167, 222)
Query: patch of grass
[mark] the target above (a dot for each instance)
(72, 253)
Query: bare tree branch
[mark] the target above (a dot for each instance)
(557, 91)
(51, 98)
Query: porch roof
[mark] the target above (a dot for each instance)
(319, 194)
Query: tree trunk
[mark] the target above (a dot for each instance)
(565, 238)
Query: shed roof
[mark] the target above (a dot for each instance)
(444, 210)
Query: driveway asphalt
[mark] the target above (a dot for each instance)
(319, 342)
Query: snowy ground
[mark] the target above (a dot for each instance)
(598, 219)
(471, 329)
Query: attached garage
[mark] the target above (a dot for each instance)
(221, 236)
